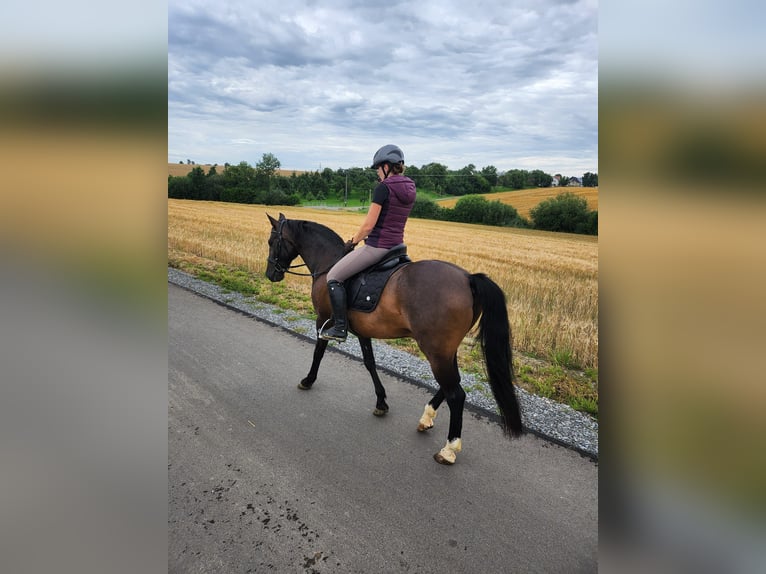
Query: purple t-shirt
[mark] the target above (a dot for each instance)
(396, 196)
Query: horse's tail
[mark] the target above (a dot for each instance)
(495, 339)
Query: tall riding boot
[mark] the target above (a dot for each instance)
(339, 331)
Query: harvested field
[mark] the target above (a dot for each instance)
(523, 200)
(550, 279)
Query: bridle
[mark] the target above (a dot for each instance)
(278, 267)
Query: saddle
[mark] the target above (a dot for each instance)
(364, 289)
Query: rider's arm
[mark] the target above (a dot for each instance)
(369, 222)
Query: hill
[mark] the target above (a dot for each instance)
(181, 169)
(523, 200)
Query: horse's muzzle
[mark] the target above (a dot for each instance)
(274, 276)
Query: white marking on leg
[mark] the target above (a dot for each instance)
(427, 420)
(450, 450)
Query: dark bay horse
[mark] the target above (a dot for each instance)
(434, 302)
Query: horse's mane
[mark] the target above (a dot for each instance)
(323, 231)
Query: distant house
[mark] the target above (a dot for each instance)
(556, 180)
(574, 182)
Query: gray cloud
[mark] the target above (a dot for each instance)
(326, 83)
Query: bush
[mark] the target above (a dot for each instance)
(277, 197)
(590, 227)
(238, 194)
(426, 209)
(567, 213)
(476, 209)
(470, 209)
(504, 215)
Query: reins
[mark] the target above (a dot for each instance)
(287, 269)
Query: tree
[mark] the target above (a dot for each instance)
(268, 165)
(239, 183)
(433, 176)
(214, 186)
(490, 174)
(197, 177)
(265, 170)
(237, 175)
(590, 179)
(465, 183)
(514, 178)
(538, 178)
(179, 187)
(413, 172)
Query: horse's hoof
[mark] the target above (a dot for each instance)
(448, 454)
(441, 460)
(427, 420)
(380, 412)
(303, 387)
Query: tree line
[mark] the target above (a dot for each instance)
(261, 184)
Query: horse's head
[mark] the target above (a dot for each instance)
(282, 249)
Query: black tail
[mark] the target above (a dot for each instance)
(495, 339)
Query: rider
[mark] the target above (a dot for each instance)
(382, 229)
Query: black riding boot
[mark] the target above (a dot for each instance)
(339, 331)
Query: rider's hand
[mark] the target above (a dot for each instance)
(348, 247)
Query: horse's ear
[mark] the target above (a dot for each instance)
(281, 217)
(274, 222)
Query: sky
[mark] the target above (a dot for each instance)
(512, 84)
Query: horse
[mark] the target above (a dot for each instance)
(434, 302)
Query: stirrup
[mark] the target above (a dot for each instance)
(333, 334)
(324, 333)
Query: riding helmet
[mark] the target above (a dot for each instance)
(388, 154)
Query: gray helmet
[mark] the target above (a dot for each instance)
(388, 153)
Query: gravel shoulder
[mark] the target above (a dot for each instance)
(550, 420)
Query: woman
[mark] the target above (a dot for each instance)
(382, 229)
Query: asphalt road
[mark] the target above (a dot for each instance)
(263, 477)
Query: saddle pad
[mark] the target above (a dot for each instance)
(365, 288)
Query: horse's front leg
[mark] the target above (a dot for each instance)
(319, 349)
(381, 408)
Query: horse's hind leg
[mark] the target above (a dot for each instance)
(381, 408)
(426, 421)
(448, 377)
(319, 349)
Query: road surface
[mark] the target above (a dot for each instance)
(263, 477)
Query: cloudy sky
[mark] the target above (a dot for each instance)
(319, 84)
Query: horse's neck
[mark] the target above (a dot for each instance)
(318, 253)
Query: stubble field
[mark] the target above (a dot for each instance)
(523, 200)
